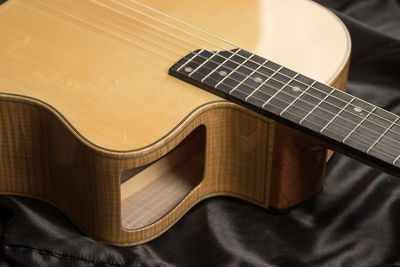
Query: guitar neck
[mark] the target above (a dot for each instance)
(344, 122)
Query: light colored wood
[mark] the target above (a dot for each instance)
(177, 157)
(180, 172)
(152, 193)
(85, 98)
(85, 183)
(76, 60)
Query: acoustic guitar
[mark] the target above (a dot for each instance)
(125, 114)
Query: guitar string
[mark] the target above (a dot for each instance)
(238, 90)
(230, 43)
(246, 76)
(390, 156)
(160, 21)
(184, 23)
(308, 87)
(336, 123)
(303, 109)
(118, 28)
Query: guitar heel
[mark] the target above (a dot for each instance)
(298, 169)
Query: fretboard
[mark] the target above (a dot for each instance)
(291, 98)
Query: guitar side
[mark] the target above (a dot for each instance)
(211, 147)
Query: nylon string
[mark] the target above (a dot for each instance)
(217, 46)
(230, 43)
(214, 53)
(268, 77)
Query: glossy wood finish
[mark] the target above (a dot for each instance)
(301, 160)
(73, 121)
(75, 59)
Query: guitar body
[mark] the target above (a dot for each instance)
(91, 122)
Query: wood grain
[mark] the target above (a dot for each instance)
(77, 60)
(83, 100)
(301, 162)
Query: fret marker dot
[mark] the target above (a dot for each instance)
(258, 79)
(357, 109)
(296, 88)
(188, 69)
(222, 73)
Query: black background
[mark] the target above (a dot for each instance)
(354, 221)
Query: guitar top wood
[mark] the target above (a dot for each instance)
(85, 99)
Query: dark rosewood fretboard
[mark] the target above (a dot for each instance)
(298, 101)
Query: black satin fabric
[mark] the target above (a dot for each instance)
(354, 221)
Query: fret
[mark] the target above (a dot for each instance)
(278, 76)
(258, 87)
(263, 82)
(371, 127)
(382, 135)
(233, 71)
(280, 90)
(271, 84)
(242, 81)
(360, 108)
(305, 80)
(193, 55)
(264, 92)
(257, 94)
(267, 69)
(302, 93)
(337, 115)
(355, 109)
(319, 110)
(321, 115)
(272, 66)
(291, 79)
(202, 64)
(302, 103)
(275, 92)
(258, 60)
(322, 100)
(347, 123)
(388, 142)
(384, 117)
(267, 88)
(242, 75)
(288, 72)
(396, 159)
(226, 60)
(365, 132)
(205, 67)
(358, 125)
(225, 77)
(325, 89)
(252, 63)
(280, 97)
(323, 109)
(253, 81)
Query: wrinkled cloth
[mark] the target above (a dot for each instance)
(354, 221)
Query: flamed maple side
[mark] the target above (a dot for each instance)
(87, 102)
